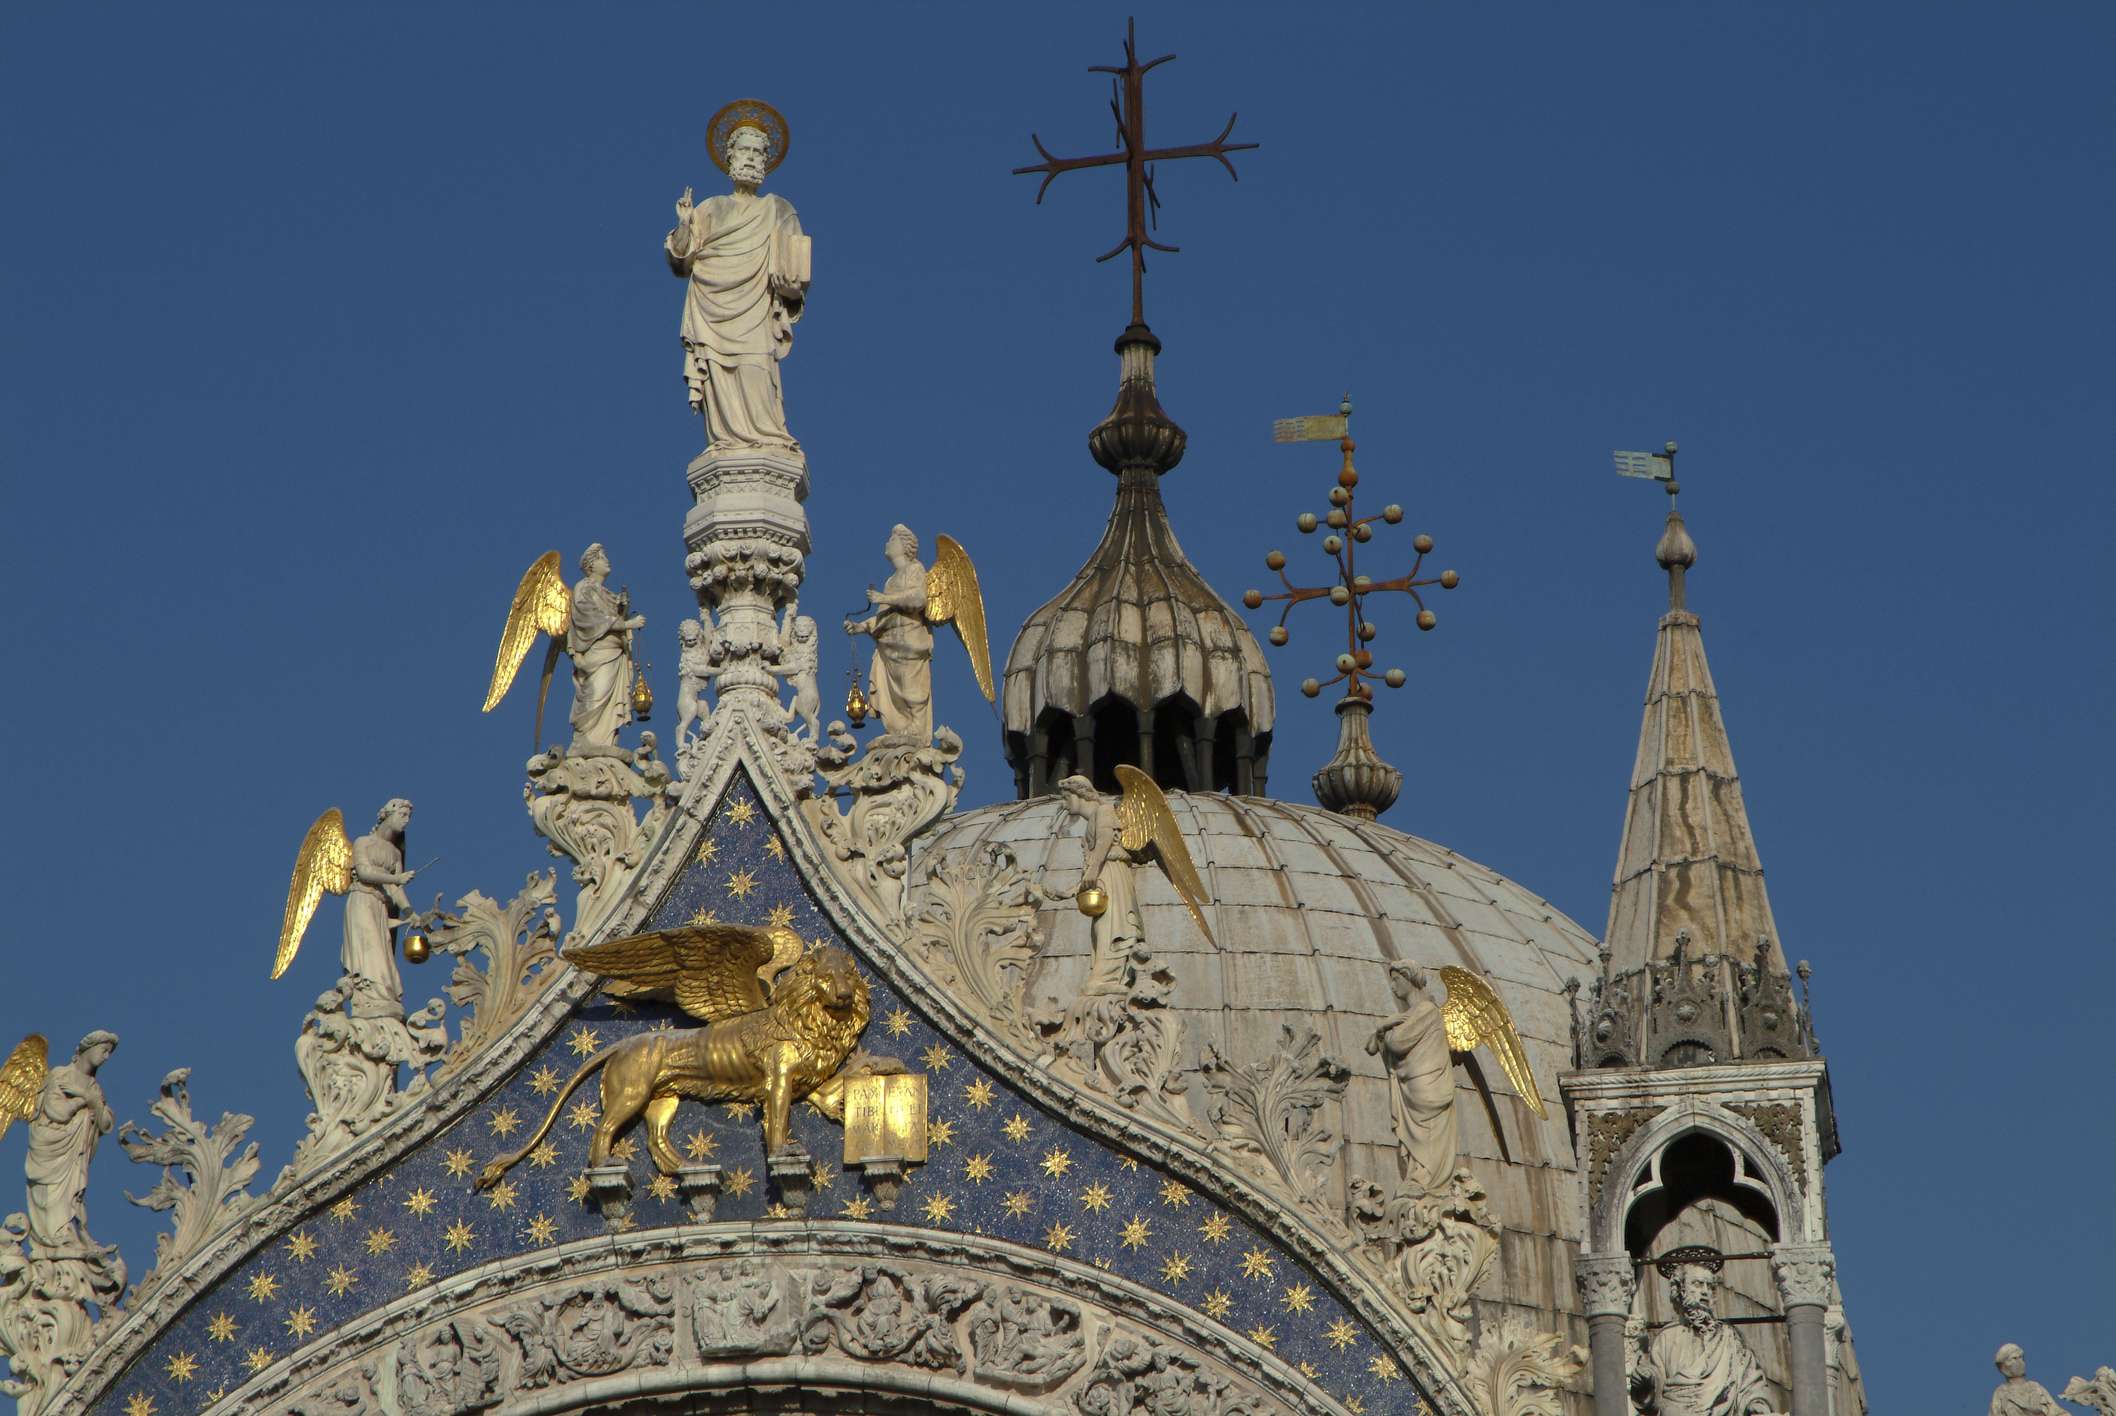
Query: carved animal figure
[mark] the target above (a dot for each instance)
(775, 1053)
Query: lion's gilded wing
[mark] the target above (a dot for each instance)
(1143, 819)
(325, 862)
(953, 597)
(1475, 1014)
(22, 1080)
(711, 970)
(542, 605)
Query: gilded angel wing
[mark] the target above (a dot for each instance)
(1474, 1014)
(1143, 819)
(711, 970)
(324, 863)
(22, 1080)
(952, 597)
(542, 605)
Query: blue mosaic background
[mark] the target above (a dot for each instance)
(998, 1166)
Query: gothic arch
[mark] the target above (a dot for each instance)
(1759, 1170)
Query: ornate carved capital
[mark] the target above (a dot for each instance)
(1606, 1283)
(1804, 1273)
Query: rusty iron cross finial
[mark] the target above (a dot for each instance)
(1141, 205)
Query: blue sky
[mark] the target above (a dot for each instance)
(321, 325)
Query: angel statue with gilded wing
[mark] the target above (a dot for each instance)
(593, 626)
(782, 1025)
(1123, 836)
(1419, 1044)
(905, 609)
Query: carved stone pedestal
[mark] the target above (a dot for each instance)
(580, 802)
(611, 1185)
(700, 1187)
(792, 1174)
(885, 1180)
(747, 537)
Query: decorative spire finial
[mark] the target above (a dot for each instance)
(1676, 552)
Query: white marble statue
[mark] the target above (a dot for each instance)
(800, 655)
(1105, 862)
(72, 1119)
(745, 262)
(2017, 1395)
(1422, 1105)
(599, 645)
(375, 904)
(901, 677)
(1698, 1365)
(694, 671)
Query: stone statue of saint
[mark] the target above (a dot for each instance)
(2016, 1395)
(599, 646)
(374, 906)
(746, 264)
(1697, 1366)
(1422, 1106)
(71, 1120)
(901, 678)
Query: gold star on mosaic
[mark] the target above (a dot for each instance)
(1018, 1202)
(1354, 1405)
(741, 1110)
(1056, 1162)
(1215, 1228)
(857, 1207)
(1135, 1234)
(300, 1321)
(542, 1229)
(582, 1117)
(263, 1287)
(898, 1022)
(257, 1359)
(1017, 1128)
(182, 1367)
(543, 1081)
(700, 1146)
(702, 915)
(781, 917)
(544, 1156)
(822, 1176)
(345, 1208)
(978, 1093)
(340, 1281)
(577, 1189)
(977, 1169)
(775, 848)
(937, 1057)
(1095, 1197)
(418, 1276)
(742, 812)
(1175, 1268)
(503, 1121)
(1174, 1193)
(1341, 1334)
(1217, 1303)
(380, 1241)
(583, 1041)
(1058, 1238)
(459, 1237)
(1308, 1369)
(707, 849)
(502, 1195)
(1128, 1162)
(940, 1133)
(1384, 1367)
(1298, 1299)
(1263, 1337)
(1257, 1264)
(139, 1405)
(626, 1150)
(301, 1246)
(662, 1187)
(939, 1209)
(420, 1201)
(739, 1181)
(777, 1210)
(221, 1328)
(1103, 1264)
(741, 883)
(460, 1163)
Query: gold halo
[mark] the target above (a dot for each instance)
(748, 113)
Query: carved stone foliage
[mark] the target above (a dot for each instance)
(214, 1193)
(594, 1331)
(582, 806)
(350, 1065)
(1782, 1125)
(1023, 1340)
(1513, 1370)
(1607, 1131)
(46, 1322)
(448, 1369)
(974, 925)
(519, 942)
(1126, 1043)
(880, 1313)
(895, 789)
(1277, 1115)
(2098, 1392)
(348, 1395)
(1432, 1249)
(1136, 1376)
(1806, 1274)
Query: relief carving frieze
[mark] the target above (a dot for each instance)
(740, 1308)
(880, 1313)
(606, 1327)
(449, 1369)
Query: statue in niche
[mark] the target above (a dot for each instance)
(746, 265)
(800, 656)
(2017, 1395)
(1698, 1365)
(694, 670)
(1422, 1104)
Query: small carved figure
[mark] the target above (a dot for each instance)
(2017, 1395)
(1422, 1105)
(694, 670)
(449, 1370)
(746, 265)
(2097, 1391)
(597, 627)
(1699, 1366)
(370, 874)
(911, 601)
(800, 653)
(72, 1119)
(1127, 833)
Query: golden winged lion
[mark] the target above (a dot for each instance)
(781, 1024)
(1474, 1014)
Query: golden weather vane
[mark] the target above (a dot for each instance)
(1351, 588)
(1128, 106)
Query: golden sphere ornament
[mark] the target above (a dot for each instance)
(1093, 901)
(416, 948)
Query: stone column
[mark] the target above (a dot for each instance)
(748, 542)
(1804, 1272)
(1606, 1282)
